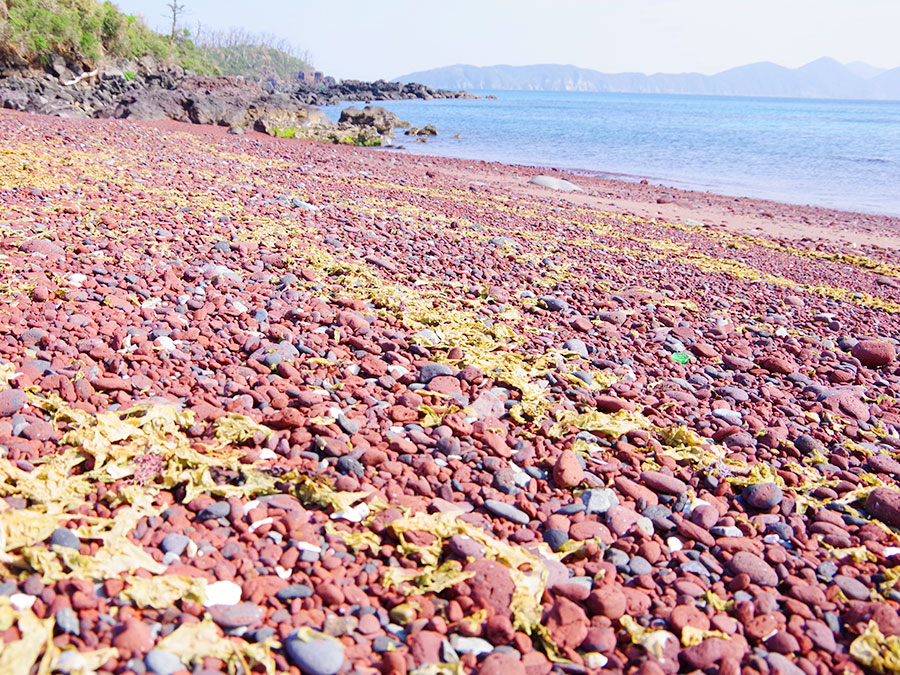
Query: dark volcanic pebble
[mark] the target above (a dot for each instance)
(762, 496)
(884, 504)
(753, 566)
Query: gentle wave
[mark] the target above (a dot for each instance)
(838, 154)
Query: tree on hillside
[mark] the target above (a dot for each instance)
(176, 11)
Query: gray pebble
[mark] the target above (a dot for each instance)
(382, 644)
(618, 558)
(217, 510)
(723, 531)
(555, 538)
(347, 464)
(347, 425)
(640, 565)
(507, 511)
(826, 570)
(432, 370)
(65, 537)
(161, 662)
(294, 591)
(694, 567)
(315, 655)
(599, 500)
(577, 346)
(67, 621)
(174, 543)
(554, 304)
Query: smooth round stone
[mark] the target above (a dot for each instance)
(762, 496)
(236, 616)
(884, 504)
(640, 565)
(730, 416)
(662, 482)
(174, 543)
(577, 346)
(755, 567)
(316, 655)
(852, 588)
(347, 425)
(874, 353)
(65, 537)
(554, 304)
(12, 401)
(294, 591)
(161, 662)
(432, 370)
(466, 547)
(222, 593)
(507, 511)
(471, 645)
(217, 510)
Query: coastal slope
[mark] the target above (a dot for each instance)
(281, 406)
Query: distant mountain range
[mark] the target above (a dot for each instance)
(823, 78)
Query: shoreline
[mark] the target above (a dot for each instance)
(655, 182)
(744, 215)
(736, 214)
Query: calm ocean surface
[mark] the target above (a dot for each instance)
(839, 154)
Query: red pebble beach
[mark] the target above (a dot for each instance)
(268, 405)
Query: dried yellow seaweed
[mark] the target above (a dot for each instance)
(612, 424)
(527, 570)
(236, 428)
(194, 642)
(876, 651)
(161, 592)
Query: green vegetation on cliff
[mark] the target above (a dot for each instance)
(84, 31)
(237, 52)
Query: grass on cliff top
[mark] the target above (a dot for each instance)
(84, 31)
(254, 60)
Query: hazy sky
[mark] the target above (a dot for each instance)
(368, 39)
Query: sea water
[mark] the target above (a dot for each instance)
(832, 153)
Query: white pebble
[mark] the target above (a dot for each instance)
(674, 544)
(21, 601)
(222, 593)
(165, 343)
(595, 660)
(265, 453)
(355, 515)
(259, 523)
(76, 280)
